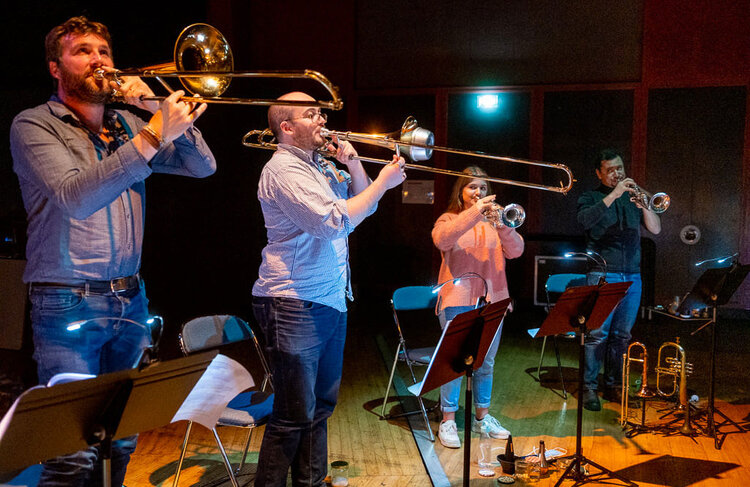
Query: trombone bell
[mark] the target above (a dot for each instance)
(201, 47)
(411, 133)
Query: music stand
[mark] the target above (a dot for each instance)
(714, 288)
(462, 347)
(583, 308)
(46, 422)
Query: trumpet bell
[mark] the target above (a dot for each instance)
(513, 215)
(659, 202)
(201, 47)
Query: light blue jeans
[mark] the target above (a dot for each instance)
(450, 393)
(96, 348)
(304, 342)
(607, 343)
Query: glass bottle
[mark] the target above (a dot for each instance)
(543, 463)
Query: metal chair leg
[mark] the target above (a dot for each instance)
(559, 368)
(182, 454)
(541, 358)
(228, 465)
(245, 450)
(390, 380)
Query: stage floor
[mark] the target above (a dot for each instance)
(385, 453)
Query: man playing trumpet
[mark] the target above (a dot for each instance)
(612, 220)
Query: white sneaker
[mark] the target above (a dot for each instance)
(493, 426)
(448, 434)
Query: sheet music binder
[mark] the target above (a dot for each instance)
(45, 422)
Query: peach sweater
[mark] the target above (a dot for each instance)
(468, 243)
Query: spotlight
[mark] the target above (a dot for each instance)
(488, 103)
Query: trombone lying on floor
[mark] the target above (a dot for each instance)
(204, 64)
(418, 144)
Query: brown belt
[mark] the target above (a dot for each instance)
(114, 286)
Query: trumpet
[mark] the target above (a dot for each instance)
(512, 215)
(676, 368)
(204, 64)
(418, 144)
(658, 203)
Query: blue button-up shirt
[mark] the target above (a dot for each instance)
(307, 224)
(85, 200)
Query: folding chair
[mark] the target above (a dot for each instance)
(410, 298)
(557, 284)
(248, 409)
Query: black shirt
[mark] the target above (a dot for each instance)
(614, 232)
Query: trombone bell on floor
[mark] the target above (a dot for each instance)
(627, 359)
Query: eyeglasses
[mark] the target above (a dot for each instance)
(312, 116)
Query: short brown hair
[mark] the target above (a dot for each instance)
(456, 203)
(74, 25)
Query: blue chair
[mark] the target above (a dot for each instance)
(557, 284)
(248, 409)
(410, 298)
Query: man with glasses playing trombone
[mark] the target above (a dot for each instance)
(299, 300)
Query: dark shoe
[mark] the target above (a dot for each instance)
(591, 401)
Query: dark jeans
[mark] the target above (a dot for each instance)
(305, 346)
(607, 343)
(95, 348)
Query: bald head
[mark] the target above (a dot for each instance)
(280, 113)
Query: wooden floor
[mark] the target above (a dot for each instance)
(384, 453)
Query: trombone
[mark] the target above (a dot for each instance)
(204, 64)
(643, 392)
(418, 144)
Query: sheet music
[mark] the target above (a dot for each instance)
(223, 379)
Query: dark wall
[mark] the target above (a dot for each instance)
(695, 146)
(479, 43)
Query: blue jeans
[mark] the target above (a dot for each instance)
(304, 343)
(96, 348)
(607, 343)
(450, 393)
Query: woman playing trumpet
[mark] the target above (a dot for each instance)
(469, 243)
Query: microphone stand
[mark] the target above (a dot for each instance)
(481, 301)
(600, 262)
(149, 354)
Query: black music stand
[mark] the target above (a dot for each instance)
(714, 288)
(580, 309)
(46, 422)
(461, 349)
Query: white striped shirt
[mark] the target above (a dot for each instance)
(307, 225)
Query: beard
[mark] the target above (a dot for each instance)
(84, 87)
(309, 141)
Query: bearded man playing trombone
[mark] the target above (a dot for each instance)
(81, 165)
(612, 220)
(299, 300)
